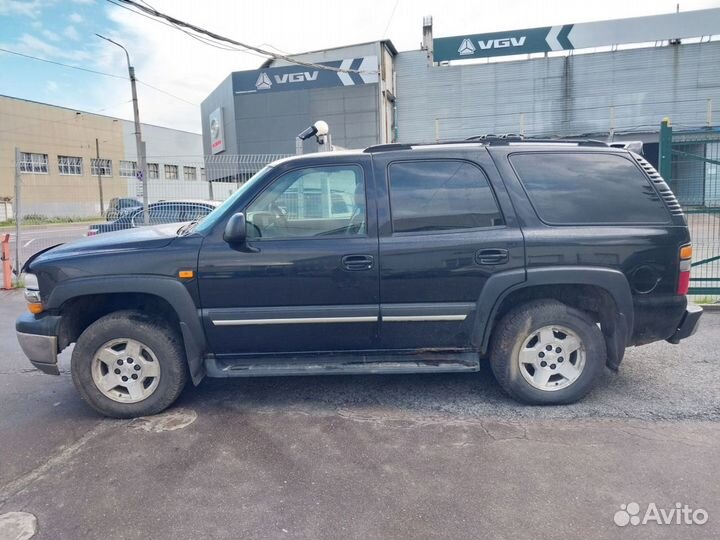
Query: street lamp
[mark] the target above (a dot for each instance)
(139, 144)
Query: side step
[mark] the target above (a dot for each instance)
(344, 364)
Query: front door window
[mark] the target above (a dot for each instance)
(311, 202)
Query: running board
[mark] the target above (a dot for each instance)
(357, 364)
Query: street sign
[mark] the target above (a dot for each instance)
(566, 37)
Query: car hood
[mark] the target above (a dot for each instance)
(125, 240)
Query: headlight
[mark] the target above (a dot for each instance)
(32, 289)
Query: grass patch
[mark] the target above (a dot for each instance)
(39, 219)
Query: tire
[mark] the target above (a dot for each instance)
(108, 351)
(532, 374)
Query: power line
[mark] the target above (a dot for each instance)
(218, 37)
(63, 65)
(88, 70)
(392, 14)
(203, 40)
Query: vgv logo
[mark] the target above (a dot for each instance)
(501, 43)
(263, 82)
(296, 77)
(466, 47)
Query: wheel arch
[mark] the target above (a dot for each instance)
(603, 292)
(90, 298)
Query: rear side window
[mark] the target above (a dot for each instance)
(577, 188)
(438, 195)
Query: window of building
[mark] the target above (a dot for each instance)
(128, 168)
(70, 165)
(203, 174)
(311, 202)
(171, 172)
(190, 173)
(439, 195)
(33, 163)
(101, 167)
(569, 188)
(153, 170)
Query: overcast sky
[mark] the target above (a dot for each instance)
(63, 30)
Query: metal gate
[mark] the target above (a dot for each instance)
(690, 162)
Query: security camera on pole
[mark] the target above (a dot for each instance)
(139, 143)
(322, 135)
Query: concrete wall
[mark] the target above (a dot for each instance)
(43, 129)
(165, 146)
(57, 131)
(628, 90)
(270, 122)
(263, 123)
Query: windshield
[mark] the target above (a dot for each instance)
(209, 221)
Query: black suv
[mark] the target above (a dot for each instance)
(547, 258)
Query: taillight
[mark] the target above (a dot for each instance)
(684, 277)
(91, 232)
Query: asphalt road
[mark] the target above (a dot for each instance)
(431, 456)
(33, 238)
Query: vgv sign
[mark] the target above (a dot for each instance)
(501, 43)
(347, 72)
(531, 40)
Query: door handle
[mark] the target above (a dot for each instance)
(358, 262)
(492, 256)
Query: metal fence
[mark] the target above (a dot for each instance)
(690, 162)
(60, 205)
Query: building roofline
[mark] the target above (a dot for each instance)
(94, 114)
(388, 43)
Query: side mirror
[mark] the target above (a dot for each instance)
(236, 230)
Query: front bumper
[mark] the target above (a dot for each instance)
(688, 324)
(38, 340)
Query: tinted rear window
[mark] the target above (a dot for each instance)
(439, 195)
(583, 188)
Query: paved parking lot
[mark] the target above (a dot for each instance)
(441, 456)
(34, 238)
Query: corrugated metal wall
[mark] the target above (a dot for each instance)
(630, 90)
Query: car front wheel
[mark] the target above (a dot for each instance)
(126, 364)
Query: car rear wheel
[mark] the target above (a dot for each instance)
(126, 364)
(547, 353)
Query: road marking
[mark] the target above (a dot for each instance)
(26, 244)
(23, 482)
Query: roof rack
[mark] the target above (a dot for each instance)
(513, 138)
(489, 140)
(387, 147)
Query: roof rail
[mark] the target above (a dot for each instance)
(387, 147)
(489, 140)
(514, 138)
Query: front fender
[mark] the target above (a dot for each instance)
(169, 289)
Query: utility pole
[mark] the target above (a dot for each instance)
(97, 156)
(18, 214)
(139, 144)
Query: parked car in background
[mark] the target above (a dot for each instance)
(120, 206)
(160, 213)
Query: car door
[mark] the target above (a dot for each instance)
(443, 234)
(307, 280)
